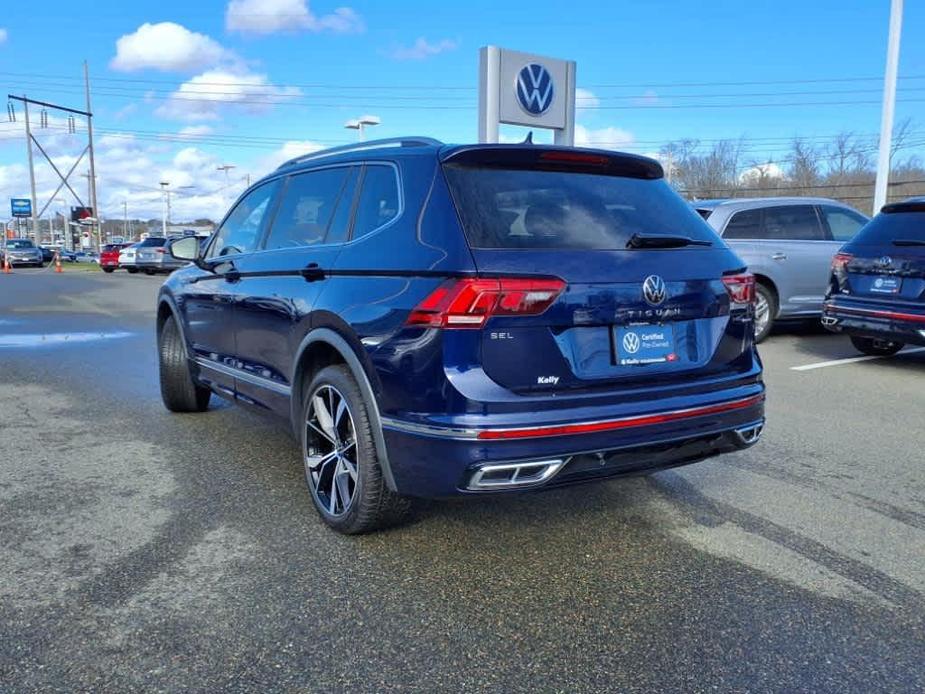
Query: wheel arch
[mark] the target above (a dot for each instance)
(322, 347)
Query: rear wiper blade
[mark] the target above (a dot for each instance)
(663, 241)
(908, 242)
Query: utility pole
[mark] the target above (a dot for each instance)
(93, 201)
(35, 229)
(124, 220)
(889, 104)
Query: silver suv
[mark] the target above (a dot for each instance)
(788, 244)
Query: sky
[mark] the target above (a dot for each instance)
(181, 87)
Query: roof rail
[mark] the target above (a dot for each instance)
(360, 146)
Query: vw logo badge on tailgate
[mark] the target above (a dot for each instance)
(654, 290)
(535, 89)
(631, 343)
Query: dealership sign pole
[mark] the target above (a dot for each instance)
(525, 89)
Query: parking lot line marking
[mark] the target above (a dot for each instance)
(850, 360)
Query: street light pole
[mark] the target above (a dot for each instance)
(226, 168)
(164, 185)
(889, 105)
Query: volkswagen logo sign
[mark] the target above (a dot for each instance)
(631, 343)
(535, 90)
(654, 290)
(885, 261)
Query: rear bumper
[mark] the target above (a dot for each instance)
(886, 322)
(433, 461)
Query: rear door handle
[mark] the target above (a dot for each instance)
(312, 273)
(778, 256)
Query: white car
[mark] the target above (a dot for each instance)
(128, 258)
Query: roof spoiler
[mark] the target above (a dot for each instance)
(556, 159)
(907, 206)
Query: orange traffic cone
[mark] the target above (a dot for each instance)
(7, 268)
(57, 261)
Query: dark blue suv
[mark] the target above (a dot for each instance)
(442, 320)
(877, 288)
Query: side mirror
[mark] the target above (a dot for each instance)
(185, 248)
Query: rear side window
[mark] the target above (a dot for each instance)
(517, 208)
(792, 223)
(843, 224)
(744, 225)
(883, 229)
(379, 200)
(307, 208)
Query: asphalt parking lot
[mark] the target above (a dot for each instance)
(148, 550)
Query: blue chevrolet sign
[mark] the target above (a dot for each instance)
(21, 207)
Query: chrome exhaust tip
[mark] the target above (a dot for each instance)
(512, 475)
(829, 321)
(750, 435)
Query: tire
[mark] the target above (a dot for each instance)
(178, 390)
(108, 269)
(131, 270)
(371, 504)
(875, 347)
(765, 300)
(149, 271)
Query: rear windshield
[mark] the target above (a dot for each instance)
(153, 241)
(19, 243)
(110, 247)
(518, 208)
(883, 229)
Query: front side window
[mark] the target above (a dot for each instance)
(843, 224)
(241, 230)
(379, 200)
(307, 208)
(792, 223)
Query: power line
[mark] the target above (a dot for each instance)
(429, 88)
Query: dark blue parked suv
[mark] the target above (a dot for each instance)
(441, 320)
(877, 289)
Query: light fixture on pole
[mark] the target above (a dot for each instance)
(359, 124)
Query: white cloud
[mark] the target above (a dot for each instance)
(586, 99)
(271, 16)
(4, 34)
(168, 47)
(423, 49)
(603, 138)
(192, 132)
(204, 96)
(290, 150)
(761, 171)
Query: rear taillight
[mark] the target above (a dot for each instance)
(840, 260)
(159, 250)
(741, 288)
(469, 303)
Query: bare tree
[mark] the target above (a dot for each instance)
(804, 166)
